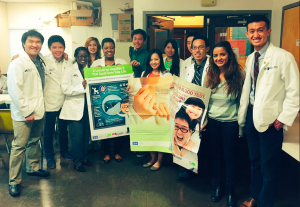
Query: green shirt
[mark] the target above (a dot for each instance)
(168, 65)
(222, 107)
(140, 56)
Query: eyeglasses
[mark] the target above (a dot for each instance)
(124, 107)
(183, 130)
(201, 47)
(81, 56)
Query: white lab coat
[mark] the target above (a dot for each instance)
(54, 96)
(102, 62)
(191, 71)
(188, 62)
(3, 84)
(181, 67)
(25, 89)
(72, 87)
(277, 90)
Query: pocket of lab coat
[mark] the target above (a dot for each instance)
(267, 113)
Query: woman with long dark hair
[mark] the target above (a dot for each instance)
(172, 62)
(75, 108)
(225, 77)
(155, 66)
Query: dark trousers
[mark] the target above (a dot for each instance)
(49, 131)
(223, 138)
(265, 155)
(79, 137)
(117, 145)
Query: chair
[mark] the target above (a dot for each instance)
(6, 128)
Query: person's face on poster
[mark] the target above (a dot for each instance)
(193, 111)
(125, 108)
(182, 132)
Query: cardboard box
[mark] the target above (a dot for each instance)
(63, 20)
(82, 17)
(124, 27)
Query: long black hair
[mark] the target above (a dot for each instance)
(175, 68)
(161, 67)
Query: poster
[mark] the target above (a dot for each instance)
(107, 100)
(149, 118)
(188, 108)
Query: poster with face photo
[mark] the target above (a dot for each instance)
(107, 99)
(188, 108)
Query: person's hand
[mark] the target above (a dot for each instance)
(162, 110)
(99, 66)
(134, 63)
(278, 125)
(15, 57)
(118, 64)
(127, 89)
(66, 56)
(143, 103)
(116, 112)
(172, 85)
(1, 91)
(203, 128)
(84, 83)
(30, 118)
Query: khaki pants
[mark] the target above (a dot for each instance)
(26, 136)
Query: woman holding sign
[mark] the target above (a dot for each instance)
(109, 59)
(225, 77)
(75, 108)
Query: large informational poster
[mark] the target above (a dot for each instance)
(107, 99)
(188, 108)
(149, 113)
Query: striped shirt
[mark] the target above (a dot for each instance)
(222, 107)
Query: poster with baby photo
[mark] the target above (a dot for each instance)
(188, 108)
(149, 118)
(107, 100)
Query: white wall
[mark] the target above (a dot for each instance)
(276, 19)
(4, 43)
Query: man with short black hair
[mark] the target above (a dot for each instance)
(189, 39)
(269, 103)
(137, 53)
(54, 99)
(26, 80)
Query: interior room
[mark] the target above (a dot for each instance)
(126, 182)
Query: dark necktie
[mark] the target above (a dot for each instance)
(256, 69)
(198, 75)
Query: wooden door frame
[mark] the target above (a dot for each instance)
(289, 6)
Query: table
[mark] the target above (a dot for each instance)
(291, 140)
(5, 98)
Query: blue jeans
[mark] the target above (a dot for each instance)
(223, 138)
(265, 155)
(49, 132)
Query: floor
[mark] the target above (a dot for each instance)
(129, 184)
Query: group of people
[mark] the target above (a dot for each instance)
(263, 98)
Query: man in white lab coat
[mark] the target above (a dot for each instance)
(189, 38)
(26, 78)
(269, 103)
(54, 99)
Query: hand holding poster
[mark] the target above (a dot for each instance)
(107, 100)
(149, 113)
(188, 108)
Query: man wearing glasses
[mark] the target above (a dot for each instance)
(195, 73)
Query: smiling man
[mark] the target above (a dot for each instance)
(269, 103)
(54, 99)
(26, 79)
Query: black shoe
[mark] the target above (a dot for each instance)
(185, 175)
(87, 163)
(80, 168)
(14, 190)
(39, 173)
(217, 194)
(231, 197)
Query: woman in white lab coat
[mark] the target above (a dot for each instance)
(75, 108)
(172, 62)
(109, 59)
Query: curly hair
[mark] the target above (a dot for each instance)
(234, 74)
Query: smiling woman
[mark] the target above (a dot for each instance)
(94, 47)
